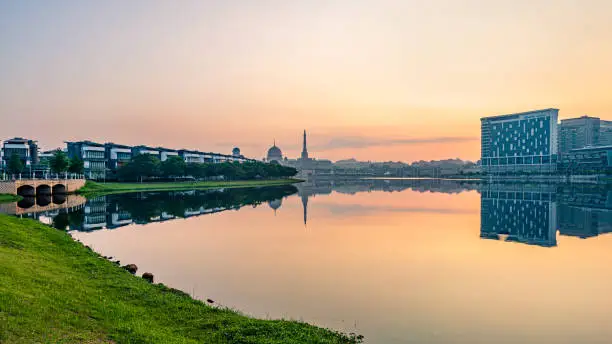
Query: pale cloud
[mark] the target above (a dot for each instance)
(365, 142)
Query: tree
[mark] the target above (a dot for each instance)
(76, 165)
(59, 162)
(227, 170)
(174, 166)
(195, 170)
(15, 165)
(142, 166)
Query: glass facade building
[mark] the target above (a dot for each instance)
(578, 133)
(605, 133)
(521, 142)
(25, 149)
(93, 156)
(589, 160)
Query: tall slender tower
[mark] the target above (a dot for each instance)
(304, 149)
(305, 206)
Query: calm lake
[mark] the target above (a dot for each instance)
(398, 261)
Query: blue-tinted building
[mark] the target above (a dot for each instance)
(117, 155)
(146, 150)
(519, 214)
(26, 150)
(521, 142)
(589, 160)
(93, 156)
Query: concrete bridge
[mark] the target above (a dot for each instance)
(34, 187)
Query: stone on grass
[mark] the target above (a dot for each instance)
(148, 276)
(131, 268)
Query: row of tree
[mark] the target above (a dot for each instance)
(146, 166)
(58, 163)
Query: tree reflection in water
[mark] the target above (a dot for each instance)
(116, 210)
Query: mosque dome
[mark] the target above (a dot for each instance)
(275, 154)
(275, 204)
(236, 151)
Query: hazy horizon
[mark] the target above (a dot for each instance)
(371, 80)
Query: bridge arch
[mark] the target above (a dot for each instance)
(59, 189)
(59, 198)
(43, 200)
(43, 189)
(26, 202)
(26, 191)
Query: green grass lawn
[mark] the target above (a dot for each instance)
(6, 198)
(94, 188)
(55, 290)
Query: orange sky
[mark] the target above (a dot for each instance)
(375, 80)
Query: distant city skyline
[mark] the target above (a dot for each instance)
(371, 80)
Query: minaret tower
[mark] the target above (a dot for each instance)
(305, 206)
(304, 149)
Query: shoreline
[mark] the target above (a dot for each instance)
(57, 289)
(93, 189)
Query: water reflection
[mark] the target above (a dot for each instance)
(26, 202)
(517, 213)
(397, 261)
(41, 200)
(114, 211)
(532, 214)
(522, 213)
(314, 187)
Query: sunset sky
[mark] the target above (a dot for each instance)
(374, 80)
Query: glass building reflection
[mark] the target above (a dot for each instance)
(517, 213)
(534, 214)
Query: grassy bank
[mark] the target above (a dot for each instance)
(94, 188)
(53, 289)
(6, 198)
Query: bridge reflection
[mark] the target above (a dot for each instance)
(41, 200)
(43, 203)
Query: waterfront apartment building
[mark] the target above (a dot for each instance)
(520, 142)
(102, 160)
(165, 153)
(25, 149)
(196, 157)
(117, 155)
(93, 155)
(45, 157)
(44, 163)
(146, 150)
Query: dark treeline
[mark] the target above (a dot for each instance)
(144, 206)
(149, 167)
